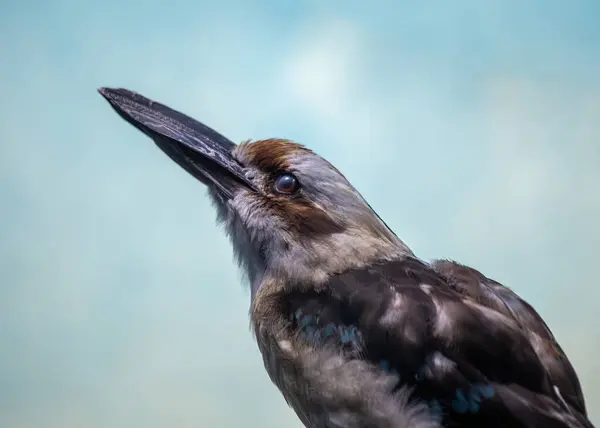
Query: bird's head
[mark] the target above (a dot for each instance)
(290, 214)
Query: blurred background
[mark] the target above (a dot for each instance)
(472, 127)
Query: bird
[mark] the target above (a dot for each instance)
(354, 329)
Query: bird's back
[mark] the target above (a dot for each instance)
(351, 353)
(472, 283)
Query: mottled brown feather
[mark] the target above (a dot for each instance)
(408, 316)
(271, 155)
(474, 285)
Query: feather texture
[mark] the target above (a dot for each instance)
(465, 353)
(472, 283)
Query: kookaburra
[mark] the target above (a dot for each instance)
(354, 329)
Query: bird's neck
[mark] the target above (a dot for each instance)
(310, 263)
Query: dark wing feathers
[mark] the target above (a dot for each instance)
(465, 350)
(490, 293)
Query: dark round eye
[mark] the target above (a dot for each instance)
(286, 183)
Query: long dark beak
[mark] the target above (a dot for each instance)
(198, 149)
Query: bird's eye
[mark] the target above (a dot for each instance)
(287, 184)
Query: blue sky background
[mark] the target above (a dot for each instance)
(473, 128)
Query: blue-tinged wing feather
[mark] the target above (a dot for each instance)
(471, 363)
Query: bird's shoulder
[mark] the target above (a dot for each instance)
(471, 283)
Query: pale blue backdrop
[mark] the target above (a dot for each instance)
(473, 127)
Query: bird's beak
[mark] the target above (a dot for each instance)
(200, 150)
